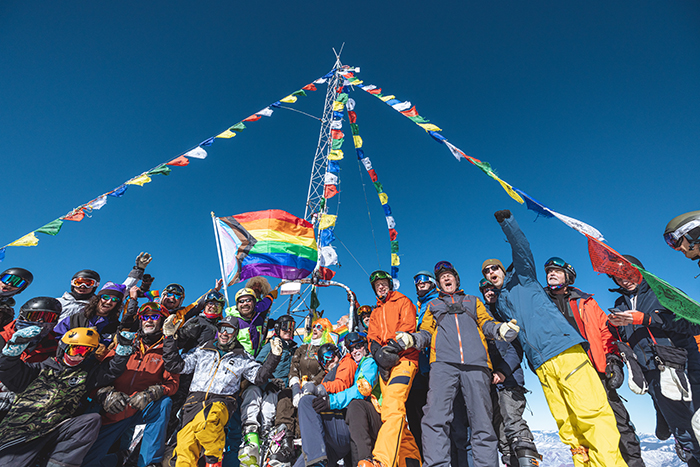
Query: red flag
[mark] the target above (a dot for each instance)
(253, 118)
(75, 216)
(376, 91)
(309, 87)
(608, 261)
(180, 161)
(330, 191)
(392, 234)
(412, 112)
(325, 273)
(352, 116)
(372, 175)
(337, 134)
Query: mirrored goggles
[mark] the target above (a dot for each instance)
(287, 326)
(555, 263)
(82, 350)
(443, 265)
(422, 278)
(670, 239)
(174, 295)
(41, 316)
(150, 317)
(84, 281)
(12, 280)
(328, 357)
(109, 298)
(376, 275)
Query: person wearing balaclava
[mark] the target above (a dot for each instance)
(13, 282)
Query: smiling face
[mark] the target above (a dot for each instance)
(226, 334)
(171, 301)
(105, 305)
(317, 331)
(7, 288)
(246, 306)
(489, 294)
(448, 282)
(150, 322)
(556, 277)
(495, 275)
(381, 287)
(358, 352)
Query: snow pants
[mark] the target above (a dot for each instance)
(475, 383)
(394, 440)
(286, 412)
(205, 431)
(511, 428)
(580, 407)
(324, 437)
(417, 398)
(155, 415)
(364, 423)
(460, 434)
(68, 444)
(258, 407)
(629, 443)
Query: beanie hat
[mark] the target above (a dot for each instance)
(492, 262)
(115, 290)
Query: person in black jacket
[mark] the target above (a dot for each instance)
(50, 395)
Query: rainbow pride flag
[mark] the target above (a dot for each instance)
(285, 246)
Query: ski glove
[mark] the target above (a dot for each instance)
(112, 401)
(125, 343)
(275, 385)
(309, 388)
(509, 331)
(276, 346)
(142, 260)
(20, 340)
(321, 390)
(405, 340)
(170, 327)
(502, 215)
(614, 373)
(140, 400)
(321, 404)
(191, 330)
(296, 395)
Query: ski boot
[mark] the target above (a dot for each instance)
(527, 457)
(249, 453)
(281, 447)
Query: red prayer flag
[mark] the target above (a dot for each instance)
(309, 87)
(180, 161)
(412, 112)
(372, 175)
(252, 118)
(337, 134)
(608, 261)
(352, 116)
(376, 91)
(326, 274)
(392, 234)
(330, 191)
(76, 216)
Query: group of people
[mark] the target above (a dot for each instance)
(117, 374)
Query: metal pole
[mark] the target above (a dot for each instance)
(221, 261)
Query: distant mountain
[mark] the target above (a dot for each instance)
(654, 452)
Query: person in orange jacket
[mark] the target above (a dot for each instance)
(586, 316)
(398, 364)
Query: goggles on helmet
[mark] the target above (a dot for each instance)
(364, 310)
(443, 265)
(422, 278)
(376, 275)
(109, 298)
(81, 350)
(327, 357)
(86, 281)
(555, 262)
(674, 239)
(41, 316)
(12, 280)
(287, 326)
(670, 239)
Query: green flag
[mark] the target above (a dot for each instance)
(337, 143)
(419, 119)
(240, 126)
(378, 186)
(343, 97)
(672, 298)
(52, 228)
(394, 246)
(300, 92)
(162, 170)
(313, 302)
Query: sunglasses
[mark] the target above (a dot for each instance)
(109, 298)
(490, 268)
(443, 265)
(421, 278)
(84, 281)
(150, 317)
(42, 316)
(12, 280)
(245, 300)
(173, 295)
(359, 345)
(227, 330)
(81, 350)
(318, 326)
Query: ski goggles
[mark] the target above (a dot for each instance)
(40, 316)
(422, 278)
(84, 281)
(327, 357)
(670, 239)
(287, 326)
(174, 295)
(230, 330)
(376, 275)
(443, 265)
(555, 262)
(12, 280)
(364, 310)
(674, 239)
(109, 298)
(150, 317)
(79, 350)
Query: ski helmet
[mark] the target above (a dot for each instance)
(78, 341)
(326, 353)
(684, 226)
(284, 323)
(364, 310)
(355, 338)
(174, 288)
(244, 292)
(17, 277)
(442, 267)
(558, 263)
(424, 276)
(44, 309)
(379, 274)
(85, 276)
(218, 299)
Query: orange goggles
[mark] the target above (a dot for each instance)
(79, 350)
(87, 282)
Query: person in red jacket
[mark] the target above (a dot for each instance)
(584, 314)
(398, 365)
(140, 395)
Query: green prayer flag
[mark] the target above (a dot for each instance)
(300, 92)
(52, 228)
(394, 246)
(355, 129)
(379, 187)
(672, 298)
(337, 143)
(419, 119)
(313, 302)
(162, 170)
(343, 97)
(240, 126)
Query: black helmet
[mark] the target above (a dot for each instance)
(89, 273)
(326, 353)
(174, 288)
(684, 226)
(557, 262)
(19, 276)
(354, 338)
(379, 274)
(445, 266)
(45, 309)
(284, 323)
(215, 296)
(633, 260)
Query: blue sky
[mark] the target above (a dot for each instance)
(591, 108)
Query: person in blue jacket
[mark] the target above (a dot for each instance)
(555, 351)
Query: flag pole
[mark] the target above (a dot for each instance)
(221, 261)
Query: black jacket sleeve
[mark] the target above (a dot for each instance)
(108, 371)
(268, 367)
(16, 374)
(171, 356)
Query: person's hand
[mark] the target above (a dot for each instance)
(112, 401)
(219, 284)
(498, 377)
(502, 215)
(134, 292)
(296, 395)
(190, 330)
(125, 343)
(140, 400)
(142, 260)
(614, 373)
(276, 346)
(386, 357)
(309, 388)
(321, 404)
(622, 318)
(509, 331)
(169, 326)
(405, 340)
(20, 340)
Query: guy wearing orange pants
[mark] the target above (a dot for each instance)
(395, 445)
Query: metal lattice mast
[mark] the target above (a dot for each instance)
(318, 168)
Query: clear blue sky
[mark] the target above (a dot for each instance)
(590, 108)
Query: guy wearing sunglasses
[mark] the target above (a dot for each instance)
(683, 234)
(49, 395)
(555, 351)
(13, 281)
(218, 368)
(85, 282)
(141, 395)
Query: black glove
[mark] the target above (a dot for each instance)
(502, 215)
(614, 373)
(387, 357)
(191, 330)
(275, 384)
(321, 404)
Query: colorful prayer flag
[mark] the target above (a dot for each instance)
(27, 240)
(197, 153)
(608, 261)
(52, 228)
(141, 180)
(672, 298)
(180, 161)
(289, 99)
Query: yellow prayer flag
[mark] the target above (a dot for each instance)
(429, 127)
(327, 220)
(383, 198)
(356, 83)
(387, 98)
(289, 99)
(509, 189)
(395, 259)
(335, 155)
(338, 106)
(140, 180)
(357, 139)
(226, 134)
(28, 240)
